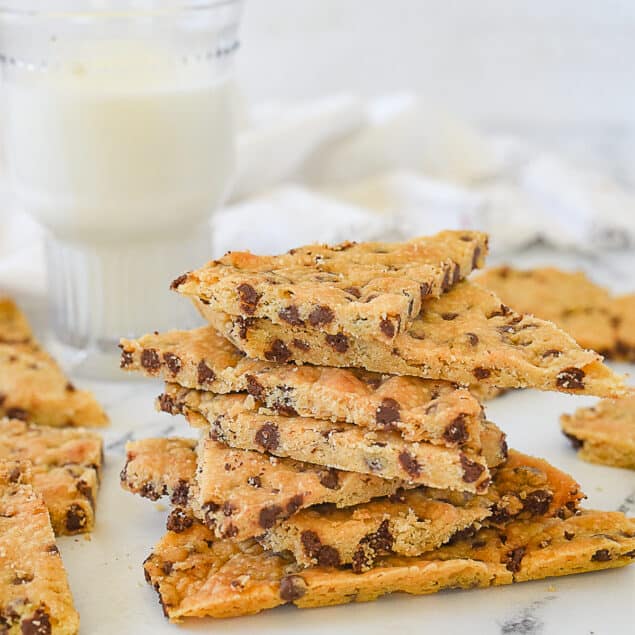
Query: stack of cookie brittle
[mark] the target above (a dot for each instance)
(49, 476)
(343, 454)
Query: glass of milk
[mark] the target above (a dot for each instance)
(119, 134)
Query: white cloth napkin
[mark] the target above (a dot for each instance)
(341, 168)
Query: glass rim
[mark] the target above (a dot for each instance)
(183, 6)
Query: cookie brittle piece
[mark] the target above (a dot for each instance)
(66, 466)
(34, 594)
(411, 523)
(371, 290)
(604, 433)
(160, 467)
(239, 493)
(14, 327)
(419, 409)
(569, 299)
(233, 419)
(467, 336)
(196, 576)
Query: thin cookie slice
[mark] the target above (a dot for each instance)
(66, 467)
(232, 419)
(569, 299)
(624, 308)
(196, 576)
(466, 336)
(372, 290)
(604, 433)
(421, 410)
(411, 523)
(239, 493)
(35, 598)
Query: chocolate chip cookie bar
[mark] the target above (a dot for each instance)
(196, 576)
(239, 493)
(604, 433)
(434, 411)
(233, 419)
(411, 523)
(32, 386)
(35, 598)
(66, 466)
(372, 290)
(569, 299)
(466, 336)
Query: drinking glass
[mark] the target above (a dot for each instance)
(120, 140)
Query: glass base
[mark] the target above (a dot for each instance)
(99, 293)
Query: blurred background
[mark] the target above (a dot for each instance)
(375, 119)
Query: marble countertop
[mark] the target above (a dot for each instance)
(107, 577)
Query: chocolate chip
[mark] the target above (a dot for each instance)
(176, 283)
(354, 291)
(229, 508)
(601, 555)
(537, 502)
(552, 352)
(387, 414)
(268, 516)
(481, 373)
(268, 436)
(75, 518)
(301, 345)
(85, 490)
(150, 359)
(254, 388)
(18, 413)
(173, 362)
(294, 503)
(148, 490)
(243, 324)
(53, 549)
(514, 558)
(387, 327)
(181, 493)
(292, 587)
(310, 543)
(570, 378)
(167, 404)
(278, 352)
(425, 290)
(476, 256)
(205, 374)
(569, 535)
(254, 481)
(446, 283)
(409, 463)
(167, 567)
(320, 316)
(449, 316)
(328, 556)
(39, 624)
(575, 441)
(471, 470)
(456, 431)
(291, 315)
(179, 520)
(462, 534)
(22, 578)
(338, 342)
(15, 474)
(126, 360)
(330, 479)
(249, 298)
